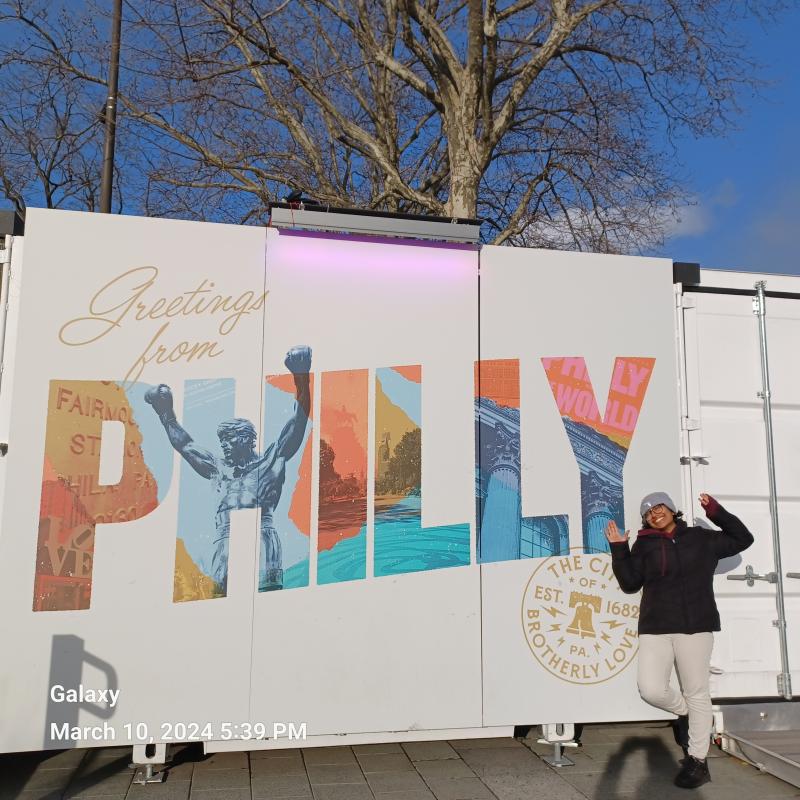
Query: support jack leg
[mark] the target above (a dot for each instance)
(558, 759)
(148, 763)
(560, 735)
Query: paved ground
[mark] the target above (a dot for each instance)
(617, 761)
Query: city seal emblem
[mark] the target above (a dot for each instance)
(579, 625)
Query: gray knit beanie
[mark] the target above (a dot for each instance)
(656, 499)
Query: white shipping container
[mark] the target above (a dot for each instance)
(204, 535)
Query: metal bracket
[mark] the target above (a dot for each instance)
(560, 735)
(785, 685)
(558, 759)
(758, 305)
(793, 574)
(558, 732)
(751, 577)
(146, 757)
(144, 774)
(697, 460)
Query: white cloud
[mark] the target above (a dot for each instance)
(626, 229)
(693, 219)
(631, 228)
(699, 216)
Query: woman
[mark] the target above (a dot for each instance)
(673, 564)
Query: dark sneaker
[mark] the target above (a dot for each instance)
(680, 730)
(694, 773)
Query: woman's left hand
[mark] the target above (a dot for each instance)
(710, 505)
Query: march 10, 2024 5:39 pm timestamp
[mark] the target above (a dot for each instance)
(142, 733)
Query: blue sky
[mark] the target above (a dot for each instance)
(747, 185)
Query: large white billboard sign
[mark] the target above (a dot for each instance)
(259, 477)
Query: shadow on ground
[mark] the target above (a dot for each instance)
(660, 766)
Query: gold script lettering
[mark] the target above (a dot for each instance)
(128, 298)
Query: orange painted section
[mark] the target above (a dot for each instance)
(575, 397)
(300, 508)
(498, 380)
(343, 427)
(285, 382)
(412, 372)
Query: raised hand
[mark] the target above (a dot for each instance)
(710, 505)
(298, 359)
(160, 397)
(613, 535)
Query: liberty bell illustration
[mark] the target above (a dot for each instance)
(584, 605)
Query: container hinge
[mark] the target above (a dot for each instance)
(758, 306)
(687, 460)
(689, 424)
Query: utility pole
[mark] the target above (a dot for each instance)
(111, 111)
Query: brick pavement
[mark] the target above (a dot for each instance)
(616, 762)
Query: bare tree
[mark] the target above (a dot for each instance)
(541, 116)
(48, 143)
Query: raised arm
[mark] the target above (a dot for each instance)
(201, 460)
(734, 536)
(627, 566)
(298, 361)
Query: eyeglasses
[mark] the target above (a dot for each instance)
(659, 507)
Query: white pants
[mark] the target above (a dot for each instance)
(691, 653)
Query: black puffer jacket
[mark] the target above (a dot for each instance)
(676, 574)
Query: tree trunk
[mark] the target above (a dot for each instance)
(463, 200)
(464, 169)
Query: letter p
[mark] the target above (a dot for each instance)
(73, 500)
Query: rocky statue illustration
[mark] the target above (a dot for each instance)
(242, 478)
